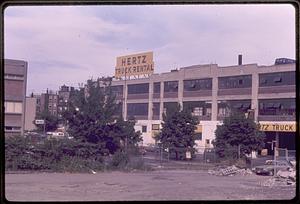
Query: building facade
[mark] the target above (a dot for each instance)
(15, 79)
(48, 102)
(64, 94)
(30, 113)
(210, 92)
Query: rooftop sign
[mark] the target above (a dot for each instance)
(134, 65)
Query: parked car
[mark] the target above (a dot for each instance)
(269, 166)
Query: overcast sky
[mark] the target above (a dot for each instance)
(70, 44)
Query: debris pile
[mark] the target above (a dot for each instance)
(277, 181)
(229, 171)
(283, 178)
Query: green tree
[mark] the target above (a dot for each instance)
(178, 132)
(92, 117)
(51, 121)
(238, 131)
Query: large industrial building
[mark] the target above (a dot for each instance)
(15, 78)
(210, 92)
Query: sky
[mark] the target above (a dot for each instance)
(70, 44)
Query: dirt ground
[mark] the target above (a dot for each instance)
(152, 185)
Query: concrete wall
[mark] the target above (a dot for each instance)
(30, 113)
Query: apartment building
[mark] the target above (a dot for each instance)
(210, 92)
(48, 102)
(15, 79)
(64, 94)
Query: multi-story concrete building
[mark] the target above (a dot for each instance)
(30, 113)
(210, 92)
(15, 79)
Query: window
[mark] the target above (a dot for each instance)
(198, 108)
(13, 76)
(155, 126)
(171, 86)
(138, 88)
(243, 81)
(284, 106)
(225, 107)
(119, 109)
(117, 90)
(144, 128)
(156, 108)
(12, 128)
(137, 109)
(156, 87)
(197, 84)
(198, 111)
(13, 107)
(223, 111)
(208, 111)
(207, 141)
(277, 79)
(198, 136)
(170, 106)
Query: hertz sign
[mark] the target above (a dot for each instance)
(134, 65)
(277, 127)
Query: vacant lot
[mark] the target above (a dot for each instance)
(154, 185)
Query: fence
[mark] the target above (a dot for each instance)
(282, 155)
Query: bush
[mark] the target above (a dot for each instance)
(127, 162)
(57, 155)
(66, 155)
(120, 160)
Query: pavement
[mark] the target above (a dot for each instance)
(170, 180)
(141, 186)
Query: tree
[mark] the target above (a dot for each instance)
(178, 132)
(238, 132)
(51, 121)
(91, 117)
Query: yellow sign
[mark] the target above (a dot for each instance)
(133, 65)
(275, 127)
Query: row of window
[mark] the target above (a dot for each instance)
(13, 76)
(12, 128)
(242, 81)
(203, 108)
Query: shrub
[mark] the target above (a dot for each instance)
(58, 155)
(119, 160)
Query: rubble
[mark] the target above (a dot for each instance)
(277, 181)
(229, 171)
(291, 174)
(283, 178)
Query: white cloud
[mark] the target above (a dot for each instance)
(53, 39)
